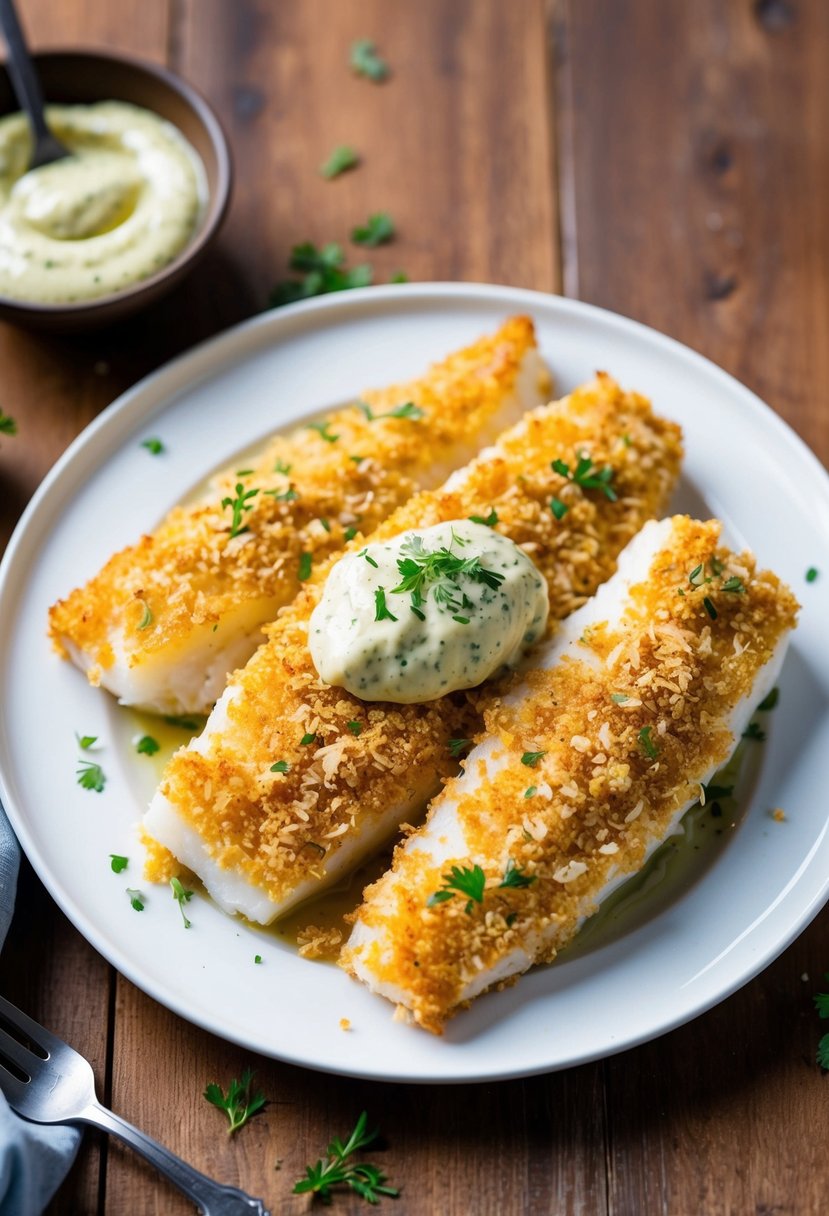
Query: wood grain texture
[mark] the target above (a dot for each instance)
(693, 176)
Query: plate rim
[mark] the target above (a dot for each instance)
(158, 389)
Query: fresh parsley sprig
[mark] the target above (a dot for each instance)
(377, 230)
(366, 1180)
(461, 880)
(588, 476)
(341, 159)
(407, 410)
(239, 1103)
(239, 506)
(440, 571)
(182, 896)
(365, 61)
(515, 877)
(323, 270)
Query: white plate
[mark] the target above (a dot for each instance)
(745, 903)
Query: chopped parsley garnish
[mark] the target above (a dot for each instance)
(733, 584)
(407, 410)
(239, 506)
(619, 698)
(461, 881)
(366, 1180)
(697, 576)
(558, 508)
(456, 746)
(323, 271)
(462, 620)
(282, 467)
(136, 899)
(244, 472)
(147, 617)
(8, 426)
(531, 759)
(307, 740)
(377, 230)
(488, 521)
(356, 728)
(587, 476)
(381, 612)
(304, 571)
(754, 731)
(181, 896)
(147, 746)
(365, 553)
(184, 721)
(440, 571)
(350, 533)
(281, 766)
(154, 446)
(325, 524)
(365, 61)
(514, 876)
(90, 776)
(647, 744)
(709, 608)
(811, 574)
(769, 702)
(530, 791)
(118, 863)
(323, 429)
(289, 495)
(85, 742)
(339, 161)
(239, 1103)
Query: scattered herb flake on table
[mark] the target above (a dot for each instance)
(367, 1180)
(377, 230)
(239, 1103)
(365, 61)
(8, 426)
(341, 159)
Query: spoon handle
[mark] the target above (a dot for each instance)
(22, 71)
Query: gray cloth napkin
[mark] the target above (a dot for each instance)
(34, 1159)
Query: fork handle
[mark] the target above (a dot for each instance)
(212, 1198)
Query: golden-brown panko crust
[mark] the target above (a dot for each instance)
(600, 798)
(279, 828)
(190, 572)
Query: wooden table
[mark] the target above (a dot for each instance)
(667, 160)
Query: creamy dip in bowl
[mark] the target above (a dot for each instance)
(116, 211)
(109, 225)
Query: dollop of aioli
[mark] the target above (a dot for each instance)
(386, 633)
(125, 202)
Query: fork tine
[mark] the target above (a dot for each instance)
(16, 1091)
(50, 1043)
(18, 1054)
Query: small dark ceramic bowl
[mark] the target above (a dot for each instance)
(88, 76)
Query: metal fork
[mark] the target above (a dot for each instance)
(60, 1088)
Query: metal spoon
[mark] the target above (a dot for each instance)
(27, 89)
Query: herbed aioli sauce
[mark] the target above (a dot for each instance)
(121, 207)
(470, 629)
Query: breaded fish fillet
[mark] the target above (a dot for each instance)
(581, 772)
(349, 772)
(167, 619)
